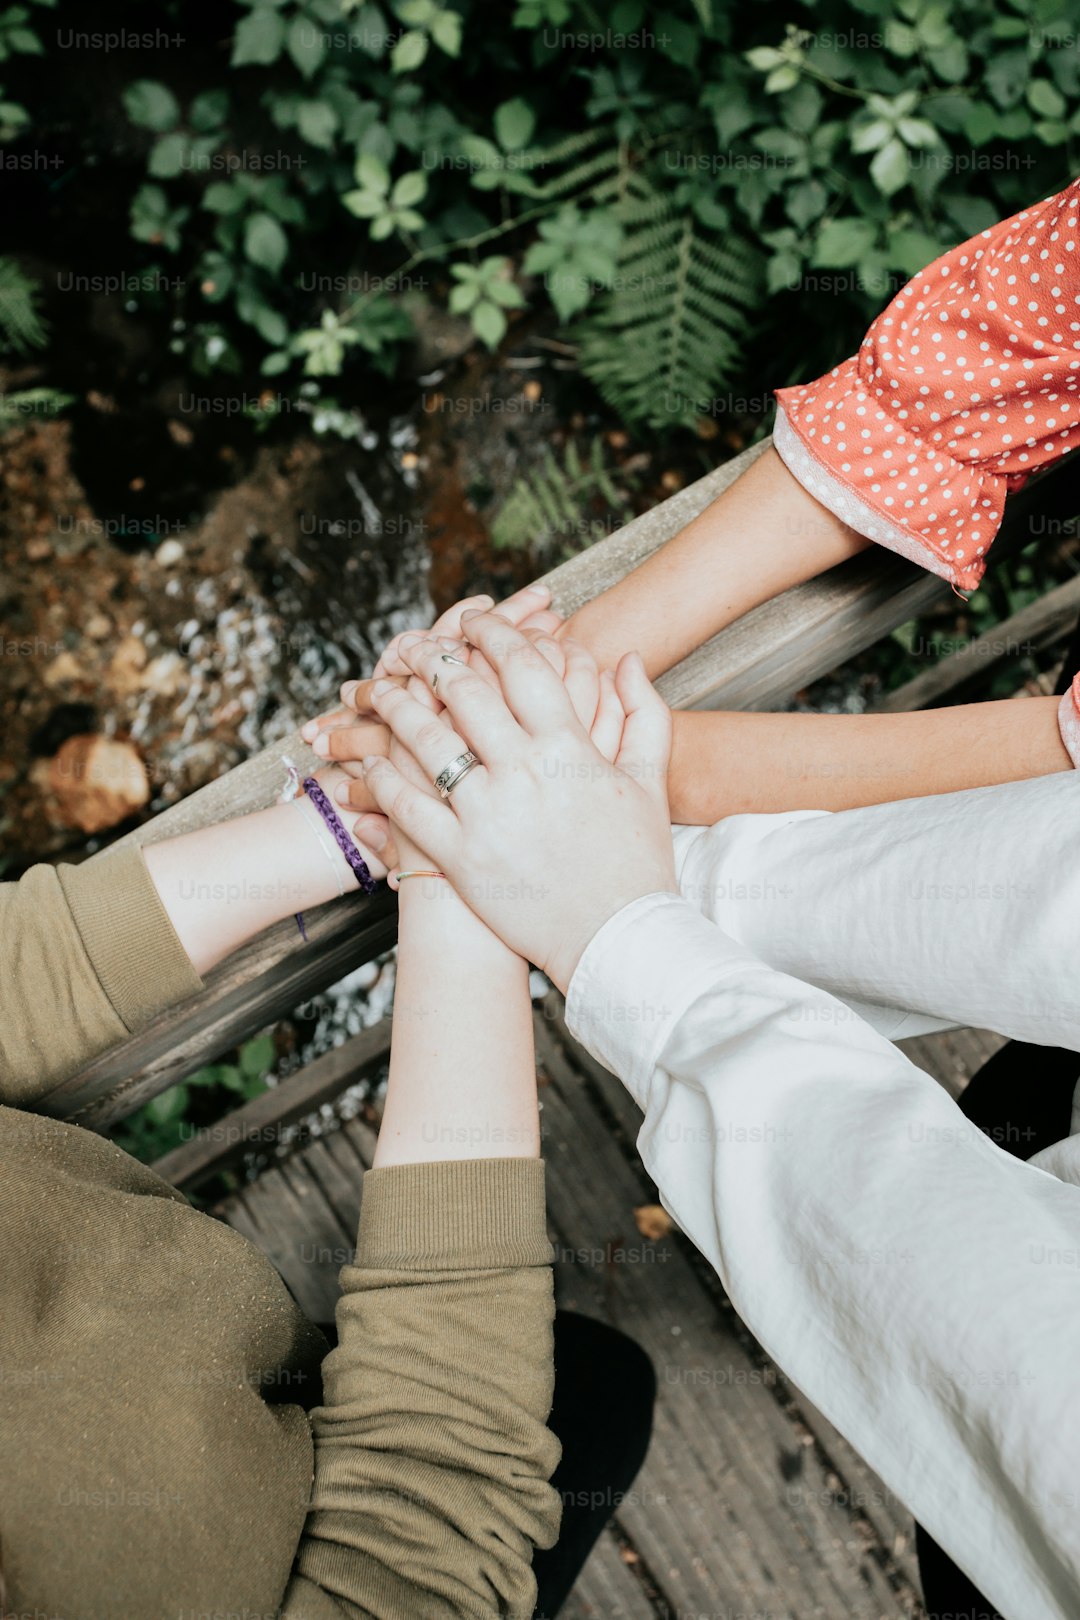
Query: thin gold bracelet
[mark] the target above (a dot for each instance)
(403, 875)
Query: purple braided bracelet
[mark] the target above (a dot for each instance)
(360, 869)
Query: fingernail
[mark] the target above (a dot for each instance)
(381, 687)
(348, 691)
(341, 793)
(448, 643)
(369, 761)
(409, 639)
(484, 597)
(321, 746)
(539, 590)
(372, 831)
(470, 613)
(308, 730)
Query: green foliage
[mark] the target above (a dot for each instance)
(668, 333)
(21, 326)
(552, 511)
(355, 144)
(170, 1119)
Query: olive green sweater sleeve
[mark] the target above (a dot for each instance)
(432, 1459)
(89, 957)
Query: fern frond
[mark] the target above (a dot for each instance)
(21, 326)
(668, 333)
(552, 510)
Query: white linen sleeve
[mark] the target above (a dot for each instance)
(917, 1283)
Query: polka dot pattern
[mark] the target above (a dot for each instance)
(963, 386)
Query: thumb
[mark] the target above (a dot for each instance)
(646, 742)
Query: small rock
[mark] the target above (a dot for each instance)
(98, 626)
(38, 550)
(64, 670)
(97, 782)
(125, 672)
(169, 553)
(653, 1221)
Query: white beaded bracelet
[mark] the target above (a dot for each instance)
(1069, 721)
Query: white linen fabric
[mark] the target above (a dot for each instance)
(918, 1283)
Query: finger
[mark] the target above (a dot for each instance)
(374, 832)
(581, 679)
(533, 692)
(430, 824)
(547, 620)
(475, 706)
(607, 727)
(449, 623)
(546, 644)
(336, 717)
(430, 739)
(646, 742)
(515, 609)
(349, 742)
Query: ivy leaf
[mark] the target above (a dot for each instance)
(365, 204)
(222, 197)
(911, 251)
(1007, 75)
(209, 110)
(891, 167)
(259, 38)
(870, 137)
(305, 45)
(765, 58)
(980, 124)
(782, 78)
(265, 243)
(372, 173)
(514, 124)
(151, 105)
(257, 1056)
(806, 202)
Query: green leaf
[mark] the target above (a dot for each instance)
(489, 323)
(305, 44)
(891, 167)
(409, 52)
(169, 1106)
(980, 124)
(317, 122)
(257, 1056)
(209, 110)
(1007, 75)
(782, 78)
(222, 197)
(259, 38)
(265, 243)
(372, 173)
(871, 137)
(911, 250)
(167, 157)
(409, 189)
(765, 58)
(841, 243)
(151, 105)
(514, 124)
(805, 202)
(365, 204)
(446, 32)
(1045, 99)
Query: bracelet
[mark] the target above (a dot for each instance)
(360, 869)
(403, 875)
(1069, 721)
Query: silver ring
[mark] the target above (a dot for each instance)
(450, 658)
(447, 780)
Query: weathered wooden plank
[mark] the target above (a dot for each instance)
(263, 981)
(607, 1589)
(884, 1514)
(1036, 626)
(260, 1122)
(736, 1508)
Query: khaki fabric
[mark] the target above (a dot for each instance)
(157, 1459)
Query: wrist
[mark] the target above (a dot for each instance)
(432, 915)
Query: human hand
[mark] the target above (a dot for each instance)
(545, 838)
(341, 736)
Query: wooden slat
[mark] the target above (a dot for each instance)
(260, 1122)
(607, 1589)
(1040, 624)
(258, 984)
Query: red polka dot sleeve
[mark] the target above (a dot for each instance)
(963, 386)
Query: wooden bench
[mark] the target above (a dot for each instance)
(750, 1503)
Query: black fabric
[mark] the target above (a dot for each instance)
(605, 1390)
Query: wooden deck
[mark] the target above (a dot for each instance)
(750, 1506)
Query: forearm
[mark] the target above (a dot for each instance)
(462, 1068)
(760, 537)
(223, 884)
(726, 764)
